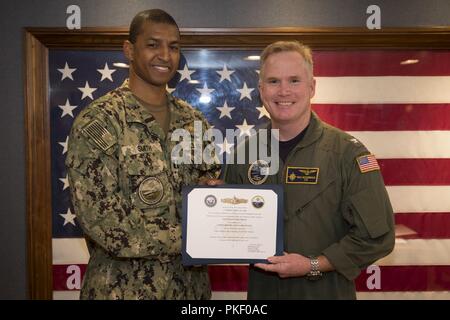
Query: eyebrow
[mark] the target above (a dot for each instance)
(159, 39)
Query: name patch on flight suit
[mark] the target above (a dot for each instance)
(302, 175)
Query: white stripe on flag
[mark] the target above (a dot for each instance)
(410, 199)
(406, 252)
(405, 144)
(404, 295)
(70, 251)
(418, 252)
(392, 89)
(239, 295)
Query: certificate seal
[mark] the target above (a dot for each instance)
(210, 200)
(258, 202)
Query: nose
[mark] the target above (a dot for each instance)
(163, 53)
(284, 89)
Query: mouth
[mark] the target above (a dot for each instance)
(284, 104)
(161, 68)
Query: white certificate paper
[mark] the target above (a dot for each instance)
(231, 224)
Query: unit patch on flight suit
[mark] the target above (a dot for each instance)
(258, 172)
(302, 175)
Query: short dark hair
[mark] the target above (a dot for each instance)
(153, 15)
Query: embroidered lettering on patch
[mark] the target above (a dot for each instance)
(100, 135)
(302, 175)
(367, 163)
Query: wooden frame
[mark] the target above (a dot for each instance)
(37, 124)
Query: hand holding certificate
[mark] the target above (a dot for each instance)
(232, 224)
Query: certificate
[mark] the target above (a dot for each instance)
(232, 224)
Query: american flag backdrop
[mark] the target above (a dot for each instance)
(396, 102)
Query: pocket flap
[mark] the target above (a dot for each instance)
(372, 212)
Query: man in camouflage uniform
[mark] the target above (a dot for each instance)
(337, 215)
(125, 189)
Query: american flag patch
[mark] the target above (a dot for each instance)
(367, 163)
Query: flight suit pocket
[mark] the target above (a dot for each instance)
(371, 212)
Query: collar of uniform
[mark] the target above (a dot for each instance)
(313, 132)
(180, 113)
(134, 111)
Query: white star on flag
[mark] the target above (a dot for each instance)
(69, 217)
(87, 91)
(64, 145)
(257, 71)
(65, 181)
(205, 91)
(244, 128)
(225, 146)
(169, 90)
(225, 73)
(225, 111)
(245, 92)
(67, 72)
(185, 73)
(67, 109)
(263, 112)
(106, 73)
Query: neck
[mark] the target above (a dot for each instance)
(151, 94)
(289, 130)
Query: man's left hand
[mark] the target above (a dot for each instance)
(288, 265)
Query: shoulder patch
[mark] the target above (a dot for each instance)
(367, 163)
(99, 135)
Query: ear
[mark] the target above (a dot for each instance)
(313, 87)
(128, 50)
(260, 88)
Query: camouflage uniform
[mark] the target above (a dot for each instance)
(127, 197)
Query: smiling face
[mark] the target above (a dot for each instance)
(155, 55)
(286, 87)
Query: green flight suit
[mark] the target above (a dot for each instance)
(340, 212)
(126, 193)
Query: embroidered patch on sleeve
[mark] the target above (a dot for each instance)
(99, 135)
(367, 163)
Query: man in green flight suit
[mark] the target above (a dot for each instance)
(338, 218)
(125, 188)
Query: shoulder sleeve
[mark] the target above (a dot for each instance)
(105, 214)
(367, 209)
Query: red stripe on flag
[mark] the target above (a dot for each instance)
(427, 225)
(406, 278)
(385, 117)
(392, 278)
(380, 63)
(415, 172)
(68, 276)
(234, 278)
(228, 278)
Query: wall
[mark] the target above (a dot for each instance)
(188, 13)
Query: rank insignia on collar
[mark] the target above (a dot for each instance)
(302, 175)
